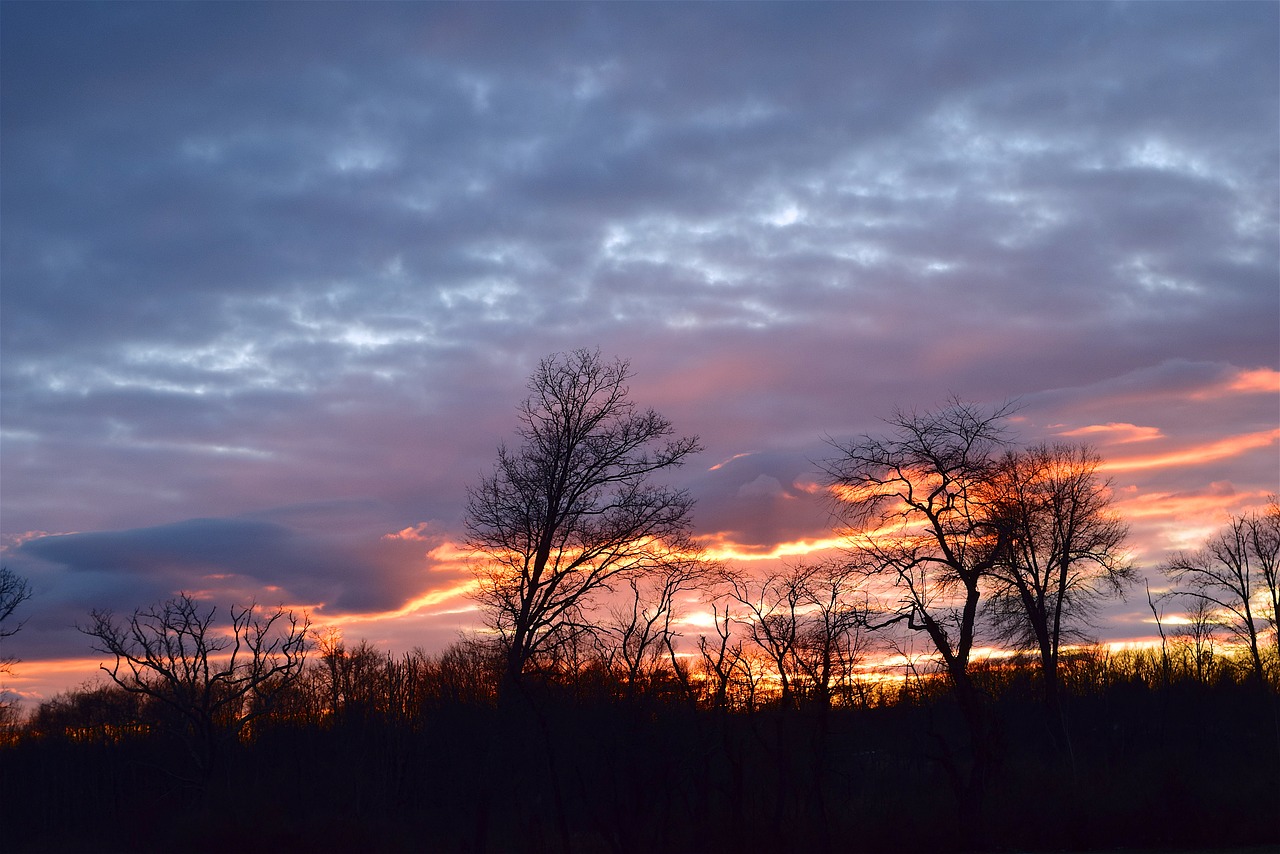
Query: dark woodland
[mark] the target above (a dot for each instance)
(370, 752)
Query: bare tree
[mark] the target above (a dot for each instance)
(1236, 574)
(772, 618)
(719, 658)
(1066, 550)
(14, 590)
(637, 641)
(1264, 541)
(807, 620)
(918, 504)
(356, 680)
(1197, 637)
(573, 509)
(831, 640)
(212, 681)
(467, 672)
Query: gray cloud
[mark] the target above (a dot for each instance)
(257, 256)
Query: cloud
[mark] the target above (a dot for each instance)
(763, 486)
(273, 281)
(1123, 433)
(1212, 452)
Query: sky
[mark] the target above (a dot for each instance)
(273, 275)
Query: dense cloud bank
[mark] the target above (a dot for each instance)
(274, 275)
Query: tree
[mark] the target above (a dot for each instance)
(573, 509)
(1236, 574)
(1197, 638)
(637, 641)
(806, 619)
(831, 641)
(1066, 550)
(721, 661)
(772, 619)
(918, 504)
(14, 590)
(211, 682)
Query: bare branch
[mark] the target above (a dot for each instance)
(573, 509)
(215, 683)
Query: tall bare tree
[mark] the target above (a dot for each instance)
(1196, 640)
(1236, 573)
(212, 680)
(807, 619)
(573, 509)
(918, 505)
(719, 659)
(1066, 550)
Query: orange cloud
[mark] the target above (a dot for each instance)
(40, 680)
(735, 551)
(13, 541)
(410, 608)
(451, 555)
(1256, 381)
(414, 533)
(726, 462)
(1122, 433)
(1177, 521)
(1219, 500)
(1229, 447)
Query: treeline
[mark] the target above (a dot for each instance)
(365, 750)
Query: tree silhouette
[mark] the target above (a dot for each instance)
(212, 681)
(1237, 573)
(573, 510)
(636, 641)
(919, 506)
(831, 641)
(1066, 550)
(14, 590)
(772, 618)
(918, 501)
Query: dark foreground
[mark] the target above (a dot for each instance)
(1136, 767)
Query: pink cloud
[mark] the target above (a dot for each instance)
(1118, 433)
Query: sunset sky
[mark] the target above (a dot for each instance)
(274, 275)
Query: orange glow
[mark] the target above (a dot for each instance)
(1223, 448)
(724, 463)
(451, 555)
(1216, 503)
(410, 608)
(414, 533)
(32, 680)
(735, 551)
(1123, 433)
(1257, 381)
(698, 620)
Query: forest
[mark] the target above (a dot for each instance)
(934, 687)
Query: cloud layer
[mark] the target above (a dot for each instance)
(274, 276)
